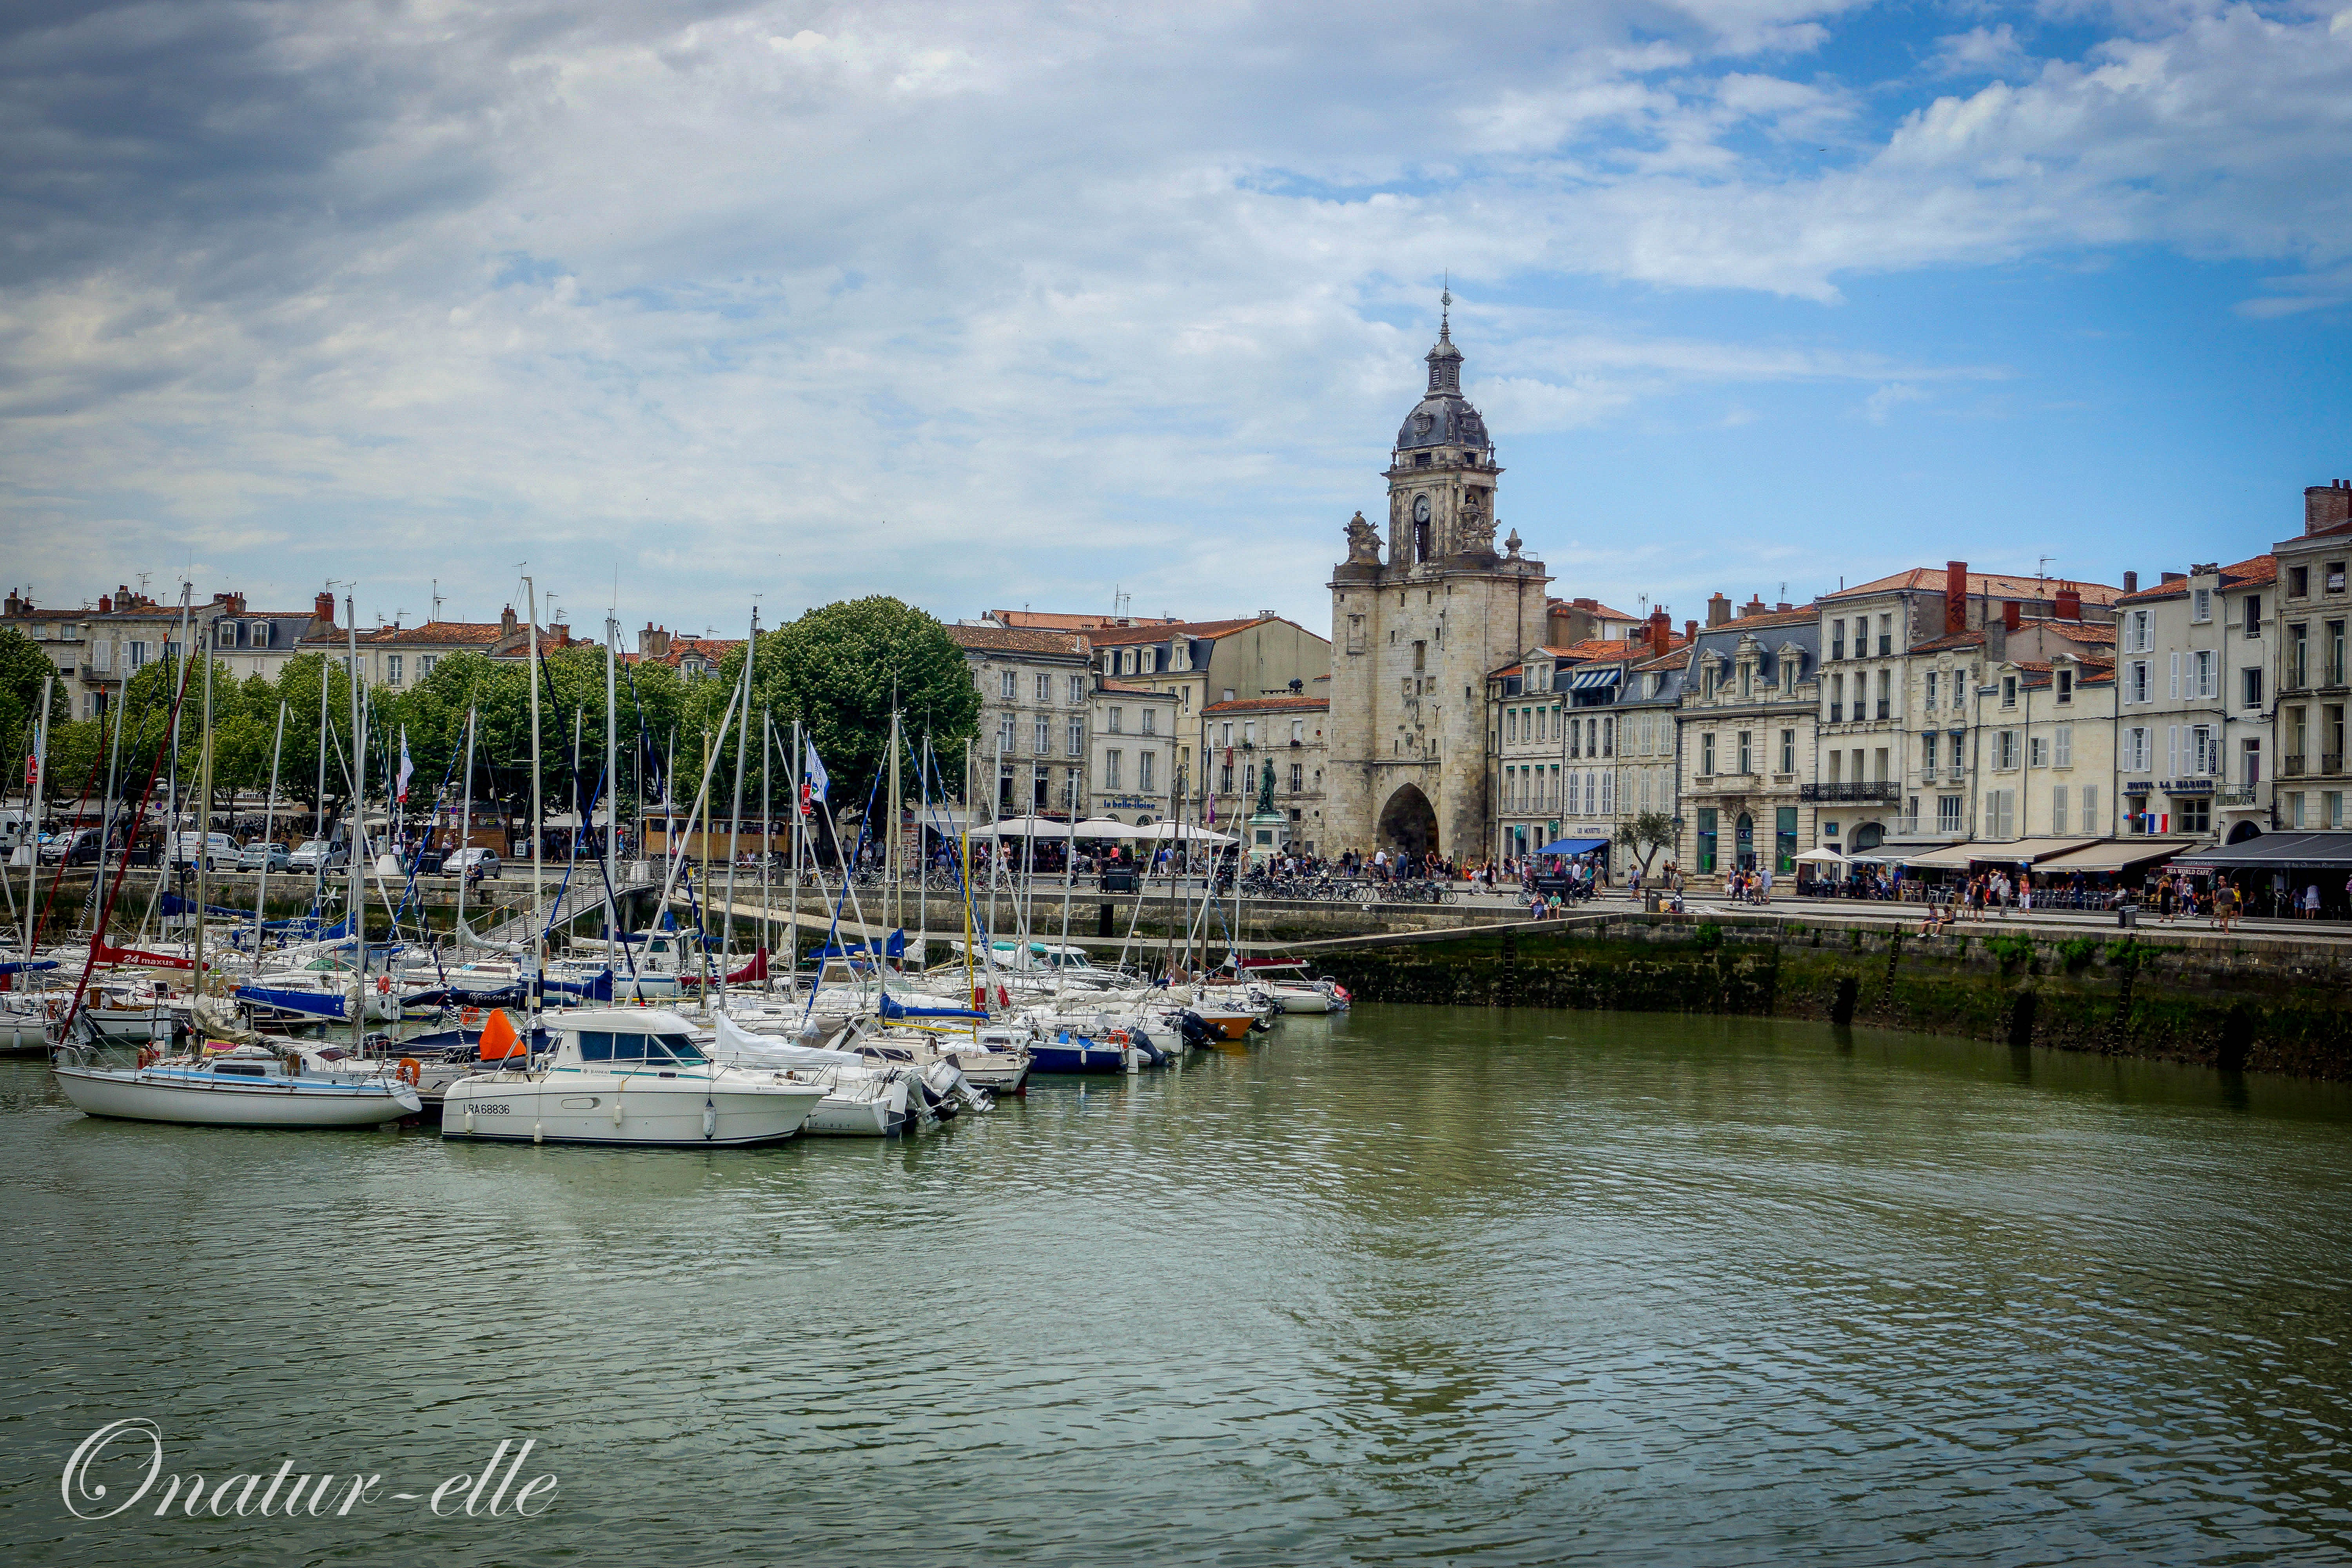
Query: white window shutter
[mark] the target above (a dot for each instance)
(2176, 675)
(2172, 751)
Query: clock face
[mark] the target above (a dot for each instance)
(1420, 509)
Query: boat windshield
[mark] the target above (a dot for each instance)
(599, 1046)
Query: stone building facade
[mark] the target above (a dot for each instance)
(1036, 696)
(1416, 630)
(1747, 718)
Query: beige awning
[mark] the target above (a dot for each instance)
(2115, 854)
(1945, 858)
(2026, 851)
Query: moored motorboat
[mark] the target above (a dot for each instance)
(627, 1076)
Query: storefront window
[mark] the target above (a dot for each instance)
(1784, 841)
(1706, 839)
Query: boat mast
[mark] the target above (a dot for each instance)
(923, 854)
(797, 815)
(537, 937)
(106, 831)
(318, 833)
(34, 788)
(204, 816)
(892, 902)
(735, 813)
(268, 816)
(612, 780)
(767, 842)
(465, 822)
(357, 911)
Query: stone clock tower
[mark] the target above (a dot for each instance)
(1414, 637)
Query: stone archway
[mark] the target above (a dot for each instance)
(1868, 836)
(2244, 831)
(1409, 822)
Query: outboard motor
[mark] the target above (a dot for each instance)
(1194, 1028)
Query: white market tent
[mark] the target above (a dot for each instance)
(1822, 856)
(1160, 832)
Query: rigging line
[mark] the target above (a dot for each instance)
(833, 931)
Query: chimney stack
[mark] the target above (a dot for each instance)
(2013, 613)
(105, 604)
(2174, 577)
(507, 621)
(2325, 506)
(1754, 607)
(1690, 631)
(322, 610)
(2131, 582)
(1662, 633)
(1956, 596)
(2070, 604)
(1718, 609)
(16, 605)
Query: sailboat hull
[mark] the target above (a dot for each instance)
(191, 1098)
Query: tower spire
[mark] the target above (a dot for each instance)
(1445, 308)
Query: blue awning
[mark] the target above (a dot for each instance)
(1589, 680)
(1573, 845)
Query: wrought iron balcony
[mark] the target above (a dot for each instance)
(1881, 790)
(2290, 765)
(2239, 794)
(2331, 762)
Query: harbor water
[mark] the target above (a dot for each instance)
(1411, 1285)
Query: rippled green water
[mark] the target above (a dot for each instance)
(1410, 1286)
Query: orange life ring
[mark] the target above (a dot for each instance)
(383, 984)
(409, 1071)
(1117, 1037)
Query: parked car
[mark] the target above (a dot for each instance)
(79, 848)
(217, 850)
(462, 861)
(263, 855)
(314, 854)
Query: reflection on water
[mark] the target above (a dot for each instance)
(1413, 1284)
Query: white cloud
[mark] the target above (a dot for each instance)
(827, 299)
(1888, 398)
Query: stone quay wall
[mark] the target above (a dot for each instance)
(2266, 1006)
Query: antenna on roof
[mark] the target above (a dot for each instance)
(2042, 567)
(436, 598)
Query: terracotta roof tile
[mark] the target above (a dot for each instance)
(1013, 639)
(1271, 705)
(1049, 621)
(1983, 585)
(1943, 643)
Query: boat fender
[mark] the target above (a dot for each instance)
(616, 1109)
(538, 1132)
(409, 1071)
(710, 1119)
(470, 1120)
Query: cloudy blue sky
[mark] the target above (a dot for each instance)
(1004, 303)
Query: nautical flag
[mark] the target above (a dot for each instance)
(406, 767)
(813, 787)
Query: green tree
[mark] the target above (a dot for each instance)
(1645, 833)
(23, 667)
(840, 669)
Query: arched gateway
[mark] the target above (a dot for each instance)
(1409, 822)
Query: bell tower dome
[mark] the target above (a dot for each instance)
(1442, 473)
